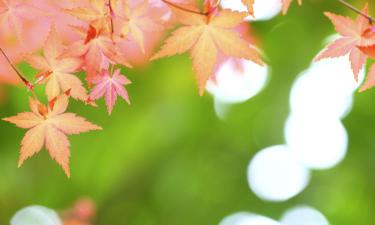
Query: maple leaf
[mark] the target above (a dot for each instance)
(48, 126)
(98, 13)
(98, 50)
(57, 71)
(135, 21)
(206, 37)
(249, 5)
(368, 50)
(353, 35)
(370, 79)
(166, 9)
(369, 47)
(14, 13)
(286, 3)
(110, 85)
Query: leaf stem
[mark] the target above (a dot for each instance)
(193, 11)
(111, 69)
(349, 6)
(27, 83)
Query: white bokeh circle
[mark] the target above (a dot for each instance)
(263, 9)
(35, 215)
(318, 143)
(324, 89)
(275, 175)
(244, 218)
(304, 215)
(233, 85)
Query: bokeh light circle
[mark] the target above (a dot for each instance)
(326, 89)
(318, 143)
(35, 215)
(244, 218)
(309, 100)
(235, 85)
(304, 215)
(275, 175)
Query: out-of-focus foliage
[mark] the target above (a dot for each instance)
(167, 159)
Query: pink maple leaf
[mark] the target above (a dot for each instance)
(110, 85)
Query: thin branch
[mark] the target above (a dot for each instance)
(27, 83)
(182, 8)
(111, 15)
(193, 11)
(371, 19)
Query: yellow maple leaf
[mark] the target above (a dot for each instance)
(206, 36)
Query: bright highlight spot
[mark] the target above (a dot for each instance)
(304, 215)
(275, 175)
(243, 218)
(263, 9)
(237, 81)
(325, 89)
(35, 215)
(318, 143)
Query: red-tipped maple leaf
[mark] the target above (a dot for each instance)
(57, 71)
(48, 126)
(368, 50)
(370, 80)
(98, 50)
(109, 86)
(206, 37)
(354, 34)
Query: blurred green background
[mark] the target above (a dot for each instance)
(168, 160)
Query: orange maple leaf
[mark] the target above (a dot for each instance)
(206, 36)
(368, 50)
(353, 35)
(57, 71)
(370, 79)
(48, 126)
